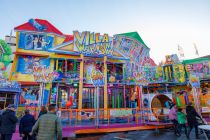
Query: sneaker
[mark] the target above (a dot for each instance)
(178, 135)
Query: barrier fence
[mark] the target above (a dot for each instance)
(87, 117)
(75, 117)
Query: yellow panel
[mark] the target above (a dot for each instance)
(58, 40)
(64, 56)
(13, 70)
(34, 52)
(81, 82)
(69, 47)
(52, 64)
(24, 77)
(48, 86)
(17, 39)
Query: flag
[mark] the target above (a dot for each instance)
(180, 50)
(196, 49)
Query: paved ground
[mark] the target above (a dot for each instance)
(139, 135)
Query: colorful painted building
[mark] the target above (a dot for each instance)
(9, 90)
(53, 67)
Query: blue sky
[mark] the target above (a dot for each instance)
(162, 24)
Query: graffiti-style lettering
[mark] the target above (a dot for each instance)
(105, 38)
(43, 74)
(97, 36)
(79, 38)
(92, 39)
(93, 44)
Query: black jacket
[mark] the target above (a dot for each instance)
(26, 123)
(191, 116)
(8, 122)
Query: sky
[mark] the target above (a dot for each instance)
(162, 24)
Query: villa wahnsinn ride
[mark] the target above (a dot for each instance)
(53, 67)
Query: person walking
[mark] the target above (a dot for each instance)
(48, 126)
(42, 111)
(191, 119)
(181, 117)
(25, 126)
(8, 122)
(173, 118)
(133, 104)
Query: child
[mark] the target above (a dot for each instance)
(181, 117)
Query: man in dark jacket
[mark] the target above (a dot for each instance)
(26, 124)
(8, 122)
(191, 119)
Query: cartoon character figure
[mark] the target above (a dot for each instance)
(30, 62)
(35, 42)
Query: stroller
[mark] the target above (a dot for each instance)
(201, 122)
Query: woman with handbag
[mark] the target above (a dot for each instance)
(191, 119)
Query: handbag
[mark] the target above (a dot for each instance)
(199, 121)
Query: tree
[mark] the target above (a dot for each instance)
(5, 53)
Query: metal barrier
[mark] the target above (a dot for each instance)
(87, 117)
(111, 116)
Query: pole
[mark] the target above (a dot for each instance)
(40, 96)
(97, 107)
(124, 96)
(57, 92)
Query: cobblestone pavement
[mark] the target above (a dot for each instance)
(139, 135)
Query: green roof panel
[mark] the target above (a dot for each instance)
(135, 36)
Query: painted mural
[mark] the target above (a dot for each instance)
(5, 53)
(130, 48)
(93, 44)
(26, 64)
(179, 73)
(136, 52)
(88, 71)
(171, 59)
(154, 74)
(39, 42)
(43, 74)
(202, 70)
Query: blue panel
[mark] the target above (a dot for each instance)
(45, 97)
(21, 41)
(26, 63)
(40, 42)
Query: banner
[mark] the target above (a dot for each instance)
(179, 73)
(93, 43)
(194, 81)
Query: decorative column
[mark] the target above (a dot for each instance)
(105, 88)
(81, 83)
